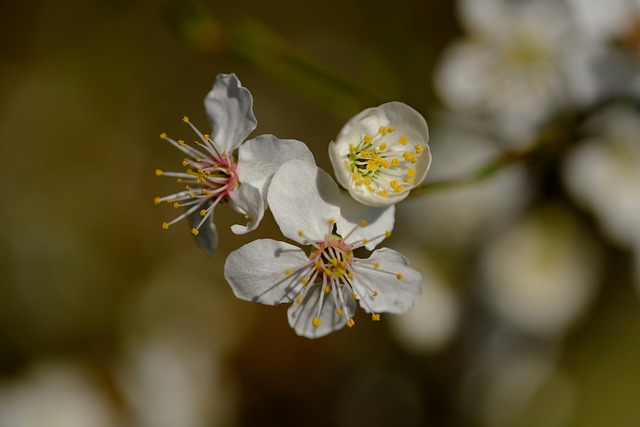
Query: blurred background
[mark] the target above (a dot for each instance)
(527, 232)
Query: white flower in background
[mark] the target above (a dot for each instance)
(56, 394)
(612, 28)
(603, 172)
(212, 175)
(324, 284)
(541, 274)
(382, 153)
(432, 323)
(515, 67)
(495, 200)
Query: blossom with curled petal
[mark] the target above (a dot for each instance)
(382, 153)
(325, 284)
(212, 175)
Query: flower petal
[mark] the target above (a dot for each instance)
(230, 110)
(207, 237)
(378, 221)
(301, 314)
(262, 271)
(397, 285)
(260, 158)
(303, 200)
(248, 201)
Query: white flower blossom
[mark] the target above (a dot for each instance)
(517, 65)
(382, 153)
(213, 175)
(324, 284)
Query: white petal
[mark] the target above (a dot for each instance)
(207, 237)
(301, 314)
(260, 158)
(303, 198)
(378, 221)
(248, 201)
(258, 271)
(230, 110)
(395, 295)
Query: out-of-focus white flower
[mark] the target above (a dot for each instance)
(434, 319)
(212, 174)
(325, 284)
(612, 31)
(516, 67)
(606, 21)
(459, 217)
(176, 329)
(382, 153)
(55, 395)
(541, 274)
(508, 376)
(603, 173)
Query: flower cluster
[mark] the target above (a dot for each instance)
(378, 157)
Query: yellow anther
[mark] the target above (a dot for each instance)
(205, 136)
(339, 312)
(395, 162)
(300, 233)
(350, 275)
(411, 172)
(180, 142)
(383, 130)
(376, 265)
(315, 322)
(367, 180)
(299, 299)
(326, 289)
(179, 180)
(198, 159)
(365, 241)
(317, 265)
(203, 212)
(350, 323)
(165, 225)
(287, 272)
(385, 164)
(176, 205)
(331, 221)
(375, 317)
(391, 128)
(384, 193)
(387, 234)
(398, 188)
(169, 201)
(304, 281)
(383, 146)
(419, 149)
(195, 231)
(375, 293)
(157, 200)
(408, 180)
(399, 276)
(192, 194)
(367, 139)
(371, 188)
(163, 135)
(354, 296)
(363, 223)
(185, 119)
(355, 176)
(327, 272)
(403, 140)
